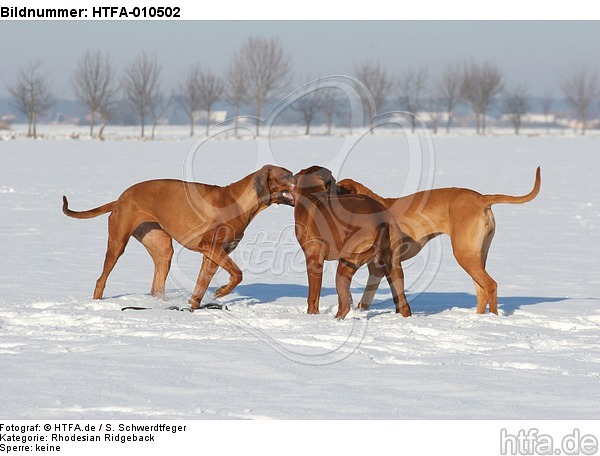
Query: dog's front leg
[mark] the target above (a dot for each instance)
(207, 271)
(343, 279)
(314, 270)
(235, 275)
(315, 282)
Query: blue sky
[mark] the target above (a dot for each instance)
(533, 54)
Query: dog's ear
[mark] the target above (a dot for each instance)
(342, 189)
(327, 177)
(346, 186)
(261, 182)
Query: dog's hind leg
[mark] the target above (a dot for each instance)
(470, 246)
(160, 247)
(119, 231)
(375, 275)
(395, 278)
(486, 287)
(492, 297)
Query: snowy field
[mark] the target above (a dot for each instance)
(64, 355)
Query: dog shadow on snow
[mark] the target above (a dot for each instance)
(425, 303)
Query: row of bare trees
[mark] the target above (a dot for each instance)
(480, 86)
(260, 71)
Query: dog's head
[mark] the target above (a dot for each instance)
(275, 185)
(315, 179)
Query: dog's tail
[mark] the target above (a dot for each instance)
(108, 207)
(495, 199)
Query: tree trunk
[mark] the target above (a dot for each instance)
(257, 109)
(449, 121)
(192, 121)
(34, 125)
(154, 122)
(92, 125)
(208, 112)
(101, 132)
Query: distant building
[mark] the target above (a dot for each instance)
(215, 116)
(532, 118)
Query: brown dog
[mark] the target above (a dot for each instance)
(354, 229)
(463, 214)
(204, 218)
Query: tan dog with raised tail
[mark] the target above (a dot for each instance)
(204, 218)
(464, 215)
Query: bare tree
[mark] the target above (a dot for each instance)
(106, 110)
(481, 84)
(376, 78)
(435, 106)
(200, 90)
(32, 95)
(189, 95)
(211, 88)
(516, 106)
(141, 86)
(235, 86)
(158, 107)
(547, 100)
(330, 106)
(412, 87)
(94, 85)
(308, 106)
(581, 89)
(267, 71)
(449, 90)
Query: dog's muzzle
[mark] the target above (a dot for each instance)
(286, 197)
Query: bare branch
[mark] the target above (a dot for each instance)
(376, 78)
(481, 84)
(412, 87)
(581, 89)
(94, 86)
(142, 86)
(309, 105)
(266, 69)
(516, 106)
(449, 90)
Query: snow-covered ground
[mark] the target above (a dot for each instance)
(64, 355)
